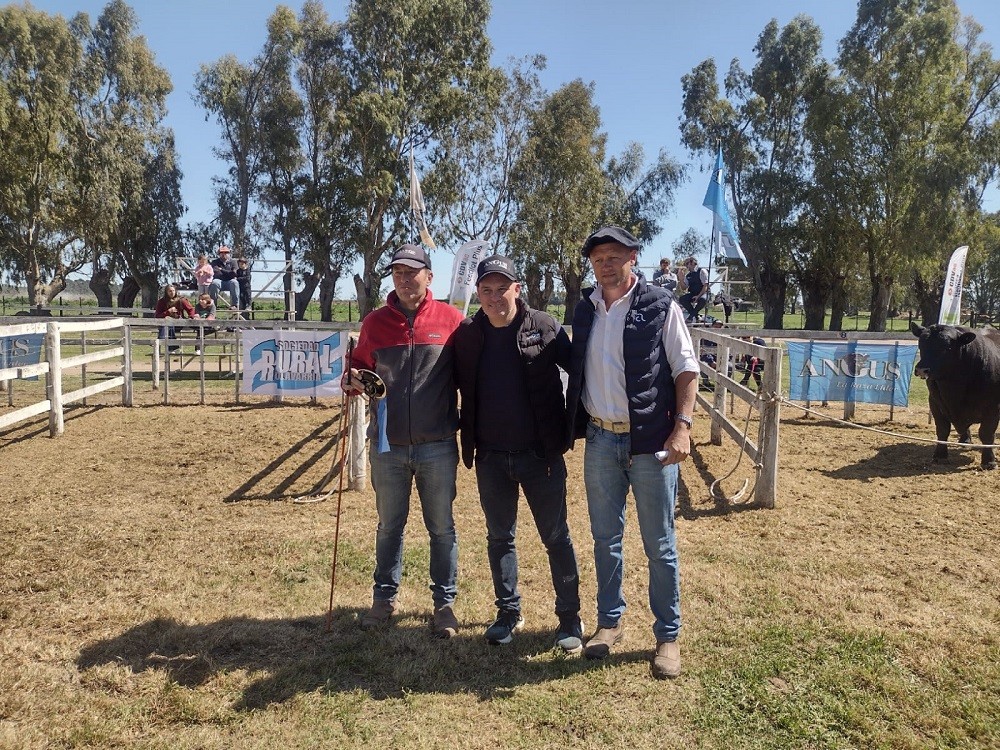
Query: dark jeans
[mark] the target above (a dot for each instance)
(697, 307)
(499, 475)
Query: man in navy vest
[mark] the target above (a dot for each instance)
(696, 282)
(632, 387)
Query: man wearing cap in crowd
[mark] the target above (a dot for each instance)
(409, 343)
(695, 299)
(632, 387)
(225, 277)
(507, 359)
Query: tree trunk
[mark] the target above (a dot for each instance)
(327, 289)
(128, 293)
(771, 286)
(368, 296)
(881, 291)
(815, 309)
(838, 305)
(100, 285)
(302, 297)
(532, 288)
(573, 281)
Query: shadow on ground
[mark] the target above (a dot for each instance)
(300, 656)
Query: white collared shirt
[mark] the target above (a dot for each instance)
(604, 394)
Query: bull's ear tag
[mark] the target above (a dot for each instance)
(374, 385)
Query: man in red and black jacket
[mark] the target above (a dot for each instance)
(409, 344)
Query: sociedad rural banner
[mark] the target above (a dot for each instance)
(21, 351)
(293, 363)
(862, 373)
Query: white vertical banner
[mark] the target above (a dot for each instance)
(293, 363)
(951, 297)
(417, 206)
(463, 272)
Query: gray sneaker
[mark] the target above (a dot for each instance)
(569, 637)
(379, 614)
(600, 643)
(501, 632)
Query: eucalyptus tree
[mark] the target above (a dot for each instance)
(561, 193)
(921, 100)
(759, 124)
(471, 183)
(40, 221)
(121, 95)
(412, 68)
(236, 95)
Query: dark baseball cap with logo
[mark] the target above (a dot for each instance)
(496, 264)
(413, 256)
(604, 235)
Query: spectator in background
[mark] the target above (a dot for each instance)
(205, 310)
(243, 279)
(203, 274)
(225, 277)
(664, 276)
(727, 303)
(172, 306)
(696, 297)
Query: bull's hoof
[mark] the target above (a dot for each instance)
(940, 458)
(989, 465)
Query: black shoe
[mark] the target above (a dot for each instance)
(501, 632)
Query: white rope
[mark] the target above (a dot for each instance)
(758, 467)
(967, 446)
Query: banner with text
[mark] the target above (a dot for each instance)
(21, 351)
(851, 372)
(293, 363)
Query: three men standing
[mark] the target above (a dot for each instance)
(631, 393)
(507, 360)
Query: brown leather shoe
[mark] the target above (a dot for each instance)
(667, 660)
(600, 643)
(445, 624)
(379, 615)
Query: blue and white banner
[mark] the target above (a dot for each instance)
(851, 372)
(21, 351)
(293, 363)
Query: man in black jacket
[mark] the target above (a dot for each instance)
(507, 360)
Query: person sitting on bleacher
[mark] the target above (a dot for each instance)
(172, 305)
(243, 279)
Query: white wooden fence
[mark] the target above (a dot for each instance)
(54, 364)
(763, 450)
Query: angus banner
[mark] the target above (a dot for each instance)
(293, 363)
(849, 371)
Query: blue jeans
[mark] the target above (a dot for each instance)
(499, 475)
(608, 472)
(433, 466)
(230, 286)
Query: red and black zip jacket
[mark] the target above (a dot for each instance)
(417, 365)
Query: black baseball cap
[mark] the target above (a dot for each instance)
(413, 256)
(496, 264)
(605, 235)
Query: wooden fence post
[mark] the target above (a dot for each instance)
(53, 385)
(770, 414)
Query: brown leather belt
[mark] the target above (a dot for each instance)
(620, 428)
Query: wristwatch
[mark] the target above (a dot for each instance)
(685, 419)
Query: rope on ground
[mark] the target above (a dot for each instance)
(883, 432)
(758, 467)
(337, 466)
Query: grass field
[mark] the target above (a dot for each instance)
(160, 589)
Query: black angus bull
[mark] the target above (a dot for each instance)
(962, 370)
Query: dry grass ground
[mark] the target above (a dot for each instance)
(158, 589)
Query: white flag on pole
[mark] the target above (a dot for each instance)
(463, 274)
(951, 298)
(417, 206)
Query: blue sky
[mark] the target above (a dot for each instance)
(634, 51)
